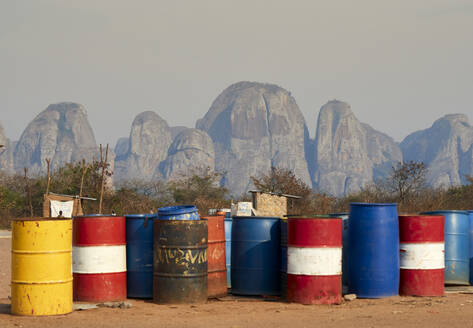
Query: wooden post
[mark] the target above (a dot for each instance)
(48, 162)
(104, 165)
(28, 192)
(84, 172)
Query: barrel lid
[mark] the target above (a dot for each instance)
(373, 204)
(446, 212)
(176, 210)
(141, 216)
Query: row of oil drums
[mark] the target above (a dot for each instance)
(177, 257)
(173, 256)
(372, 250)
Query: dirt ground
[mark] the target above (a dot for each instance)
(454, 310)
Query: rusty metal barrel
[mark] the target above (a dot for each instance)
(216, 266)
(422, 255)
(41, 266)
(99, 258)
(180, 261)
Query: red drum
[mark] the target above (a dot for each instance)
(314, 260)
(422, 255)
(99, 258)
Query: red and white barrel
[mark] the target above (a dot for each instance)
(314, 260)
(422, 255)
(99, 258)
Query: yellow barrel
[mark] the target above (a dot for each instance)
(41, 266)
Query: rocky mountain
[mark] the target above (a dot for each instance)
(255, 126)
(191, 149)
(349, 154)
(175, 130)
(61, 133)
(148, 144)
(446, 148)
(6, 153)
(121, 147)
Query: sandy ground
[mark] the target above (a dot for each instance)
(454, 310)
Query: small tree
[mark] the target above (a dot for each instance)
(201, 188)
(407, 179)
(280, 180)
(284, 181)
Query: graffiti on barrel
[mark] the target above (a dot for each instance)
(181, 256)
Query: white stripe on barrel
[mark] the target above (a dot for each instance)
(317, 261)
(422, 256)
(99, 259)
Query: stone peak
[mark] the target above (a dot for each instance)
(337, 106)
(147, 116)
(64, 107)
(242, 85)
(454, 118)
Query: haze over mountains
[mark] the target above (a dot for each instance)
(248, 128)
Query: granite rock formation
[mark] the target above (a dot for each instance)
(150, 138)
(175, 130)
(255, 126)
(190, 151)
(6, 153)
(348, 154)
(446, 148)
(61, 133)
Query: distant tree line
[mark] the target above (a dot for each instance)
(406, 185)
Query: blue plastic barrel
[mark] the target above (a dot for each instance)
(373, 241)
(470, 219)
(182, 212)
(139, 255)
(228, 247)
(457, 248)
(284, 258)
(256, 255)
(345, 221)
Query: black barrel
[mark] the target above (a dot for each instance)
(180, 261)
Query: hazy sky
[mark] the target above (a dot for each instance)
(400, 64)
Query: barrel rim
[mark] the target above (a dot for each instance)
(212, 217)
(420, 215)
(314, 218)
(317, 216)
(141, 216)
(372, 204)
(339, 213)
(257, 217)
(39, 219)
(98, 216)
(186, 221)
(178, 209)
(446, 212)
